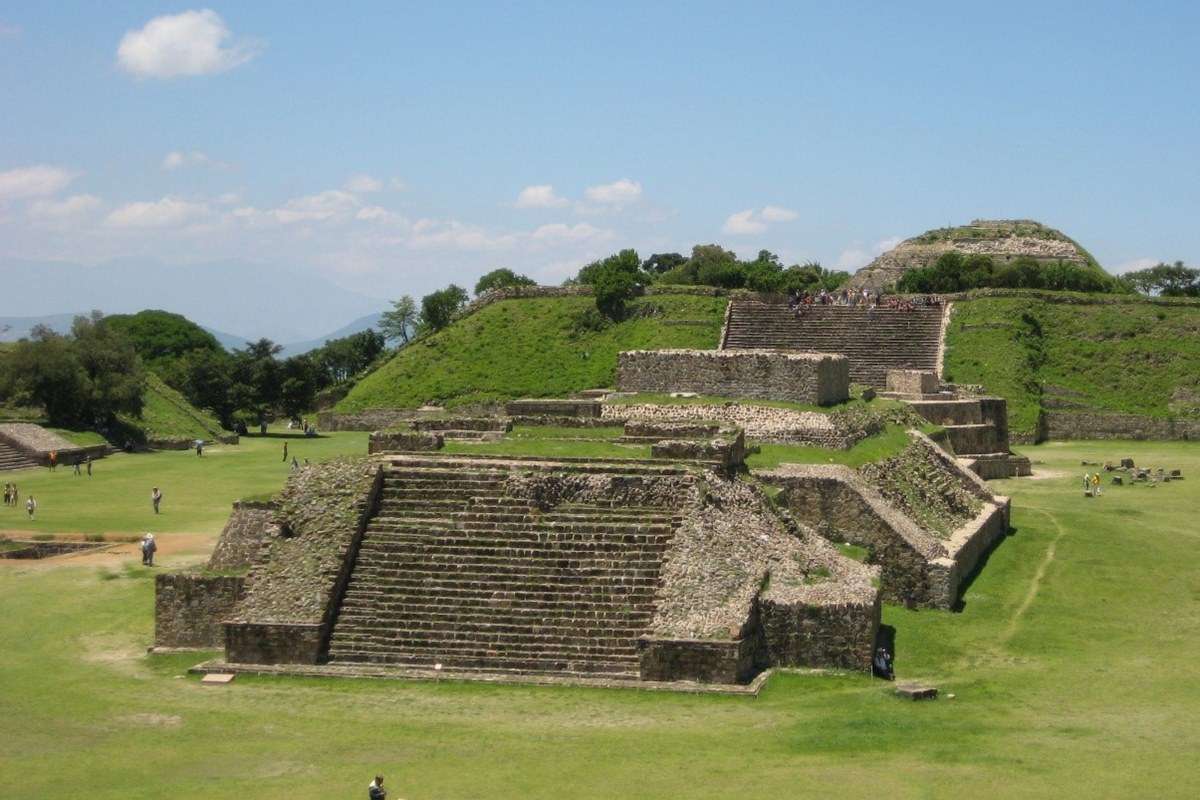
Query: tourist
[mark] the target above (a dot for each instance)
(89, 466)
(7, 494)
(15, 495)
(30, 506)
(295, 464)
(53, 460)
(881, 664)
(1087, 485)
(285, 451)
(149, 546)
(376, 791)
(1096, 484)
(199, 447)
(77, 467)
(155, 498)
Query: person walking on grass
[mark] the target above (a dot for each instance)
(1096, 484)
(77, 470)
(149, 546)
(155, 498)
(285, 452)
(376, 791)
(200, 447)
(89, 466)
(31, 507)
(53, 460)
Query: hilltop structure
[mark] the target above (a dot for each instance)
(1002, 239)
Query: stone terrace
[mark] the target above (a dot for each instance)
(874, 340)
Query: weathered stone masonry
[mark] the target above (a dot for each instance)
(816, 378)
(189, 609)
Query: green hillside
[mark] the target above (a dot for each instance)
(1128, 355)
(168, 415)
(532, 347)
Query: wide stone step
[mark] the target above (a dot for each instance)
(590, 668)
(470, 648)
(483, 638)
(396, 612)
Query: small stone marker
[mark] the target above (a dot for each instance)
(1176, 473)
(218, 678)
(1117, 480)
(916, 691)
(1127, 463)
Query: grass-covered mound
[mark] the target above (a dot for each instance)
(534, 347)
(1127, 355)
(166, 414)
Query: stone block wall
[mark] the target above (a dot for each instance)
(403, 441)
(973, 439)
(251, 526)
(273, 643)
(704, 661)
(729, 451)
(535, 406)
(837, 504)
(189, 609)
(761, 423)
(1071, 425)
(949, 412)
(838, 636)
(373, 420)
(817, 378)
(995, 411)
(912, 381)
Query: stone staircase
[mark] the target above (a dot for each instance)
(12, 458)
(453, 572)
(874, 340)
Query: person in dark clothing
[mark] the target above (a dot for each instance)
(376, 791)
(285, 451)
(881, 664)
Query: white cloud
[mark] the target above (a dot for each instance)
(749, 222)
(431, 233)
(540, 196)
(378, 214)
(743, 223)
(363, 184)
(560, 232)
(1136, 264)
(777, 214)
(73, 206)
(229, 199)
(618, 193)
(316, 207)
(168, 212)
(194, 158)
(190, 43)
(38, 180)
(9, 30)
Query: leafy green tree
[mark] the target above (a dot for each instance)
(500, 279)
(298, 379)
(116, 379)
(207, 379)
(45, 370)
(1168, 280)
(659, 263)
(400, 321)
(614, 286)
(161, 336)
(438, 308)
(626, 261)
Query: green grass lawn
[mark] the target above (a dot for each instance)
(875, 448)
(1072, 664)
(530, 347)
(196, 491)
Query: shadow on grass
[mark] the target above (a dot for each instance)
(963, 587)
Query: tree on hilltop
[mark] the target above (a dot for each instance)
(1168, 280)
(438, 308)
(501, 279)
(400, 321)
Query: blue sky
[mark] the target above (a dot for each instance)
(393, 147)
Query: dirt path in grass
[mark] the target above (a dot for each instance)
(1039, 576)
(174, 550)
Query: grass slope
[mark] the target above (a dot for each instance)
(1070, 663)
(197, 491)
(168, 415)
(528, 347)
(1130, 356)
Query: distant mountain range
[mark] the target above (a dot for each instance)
(14, 328)
(256, 300)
